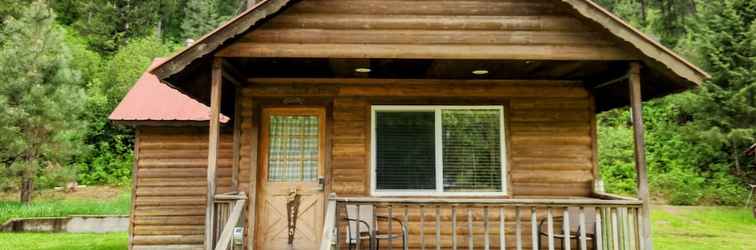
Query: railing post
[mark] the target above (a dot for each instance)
(640, 153)
(327, 240)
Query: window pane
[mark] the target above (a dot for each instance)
(293, 151)
(405, 146)
(472, 150)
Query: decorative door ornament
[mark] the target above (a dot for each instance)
(292, 211)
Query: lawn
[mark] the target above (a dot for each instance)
(86, 201)
(675, 228)
(63, 241)
(707, 228)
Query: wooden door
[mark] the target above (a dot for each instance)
(291, 198)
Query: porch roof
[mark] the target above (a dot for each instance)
(149, 100)
(665, 72)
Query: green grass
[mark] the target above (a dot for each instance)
(57, 205)
(692, 228)
(63, 241)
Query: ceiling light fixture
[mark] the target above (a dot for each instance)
(480, 72)
(362, 70)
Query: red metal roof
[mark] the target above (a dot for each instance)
(152, 100)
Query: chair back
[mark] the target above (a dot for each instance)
(355, 219)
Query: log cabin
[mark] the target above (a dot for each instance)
(407, 124)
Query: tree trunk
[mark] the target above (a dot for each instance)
(643, 11)
(27, 187)
(735, 157)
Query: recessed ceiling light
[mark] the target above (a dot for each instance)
(480, 72)
(362, 70)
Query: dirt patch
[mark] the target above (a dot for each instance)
(82, 193)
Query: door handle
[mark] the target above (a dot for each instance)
(321, 183)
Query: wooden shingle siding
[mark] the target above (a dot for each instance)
(169, 205)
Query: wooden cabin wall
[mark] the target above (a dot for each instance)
(169, 193)
(550, 142)
(480, 29)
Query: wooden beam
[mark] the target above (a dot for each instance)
(212, 155)
(426, 90)
(640, 153)
(613, 81)
(374, 81)
(426, 51)
(237, 140)
(252, 211)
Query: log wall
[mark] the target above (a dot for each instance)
(477, 29)
(549, 124)
(169, 195)
(550, 142)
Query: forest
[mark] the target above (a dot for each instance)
(65, 65)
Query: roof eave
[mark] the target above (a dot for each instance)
(656, 51)
(213, 40)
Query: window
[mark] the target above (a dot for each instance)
(293, 150)
(438, 150)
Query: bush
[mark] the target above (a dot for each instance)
(679, 186)
(110, 165)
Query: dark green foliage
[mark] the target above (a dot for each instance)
(695, 140)
(109, 24)
(110, 157)
(202, 16)
(40, 101)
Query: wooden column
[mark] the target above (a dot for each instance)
(640, 153)
(212, 154)
(252, 211)
(237, 141)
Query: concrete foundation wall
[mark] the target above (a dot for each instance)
(73, 224)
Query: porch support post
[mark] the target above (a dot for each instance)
(640, 153)
(237, 141)
(212, 154)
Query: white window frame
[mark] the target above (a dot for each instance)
(438, 151)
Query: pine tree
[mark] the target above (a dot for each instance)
(200, 17)
(40, 101)
(724, 109)
(109, 24)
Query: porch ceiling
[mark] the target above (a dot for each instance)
(591, 73)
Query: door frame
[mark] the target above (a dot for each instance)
(263, 147)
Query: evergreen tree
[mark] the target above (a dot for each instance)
(200, 17)
(725, 107)
(109, 24)
(40, 101)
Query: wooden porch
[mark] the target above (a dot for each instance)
(602, 222)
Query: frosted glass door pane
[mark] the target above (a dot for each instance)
(293, 151)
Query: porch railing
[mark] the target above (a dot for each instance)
(228, 211)
(605, 223)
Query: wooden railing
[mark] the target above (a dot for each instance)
(228, 211)
(606, 223)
